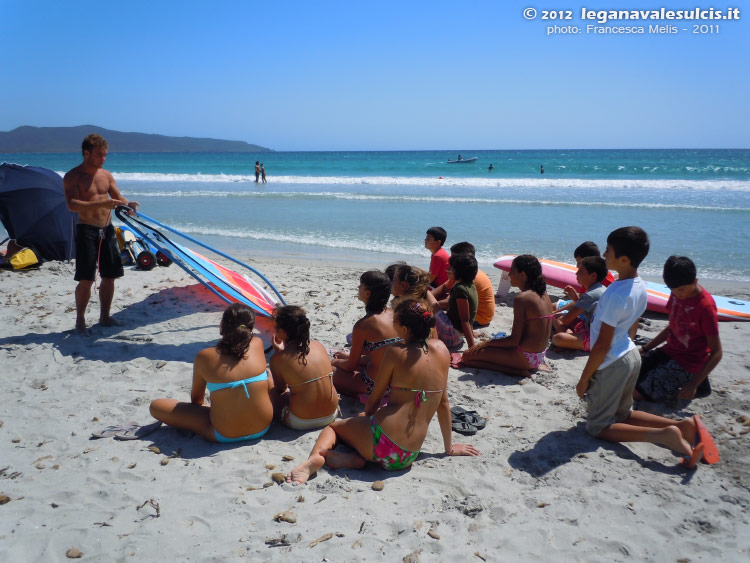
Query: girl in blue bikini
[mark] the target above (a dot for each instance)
(234, 371)
(416, 372)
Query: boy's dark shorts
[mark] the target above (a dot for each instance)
(88, 238)
(609, 397)
(661, 378)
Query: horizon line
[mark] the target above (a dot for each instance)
(77, 150)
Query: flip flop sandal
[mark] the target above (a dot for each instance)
(690, 462)
(475, 420)
(464, 428)
(460, 414)
(138, 432)
(112, 431)
(457, 411)
(710, 451)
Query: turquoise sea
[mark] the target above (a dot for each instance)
(374, 207)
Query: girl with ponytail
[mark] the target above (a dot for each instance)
(416, 372)
(234, 371)
(522, 351)
(355, 371)
(303, 394)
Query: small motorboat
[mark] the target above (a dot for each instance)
(460, 160)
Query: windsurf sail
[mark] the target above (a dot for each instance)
(228, 285)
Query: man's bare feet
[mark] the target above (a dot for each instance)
(341, 460)
(300, 474)
(109, 321)
(81, 329)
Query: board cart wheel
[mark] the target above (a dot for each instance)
(146, 260)
(162, 259)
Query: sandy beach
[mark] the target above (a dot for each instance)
(542, 488)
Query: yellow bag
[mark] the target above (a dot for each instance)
(23, 259)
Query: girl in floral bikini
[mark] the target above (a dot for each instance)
(416, 371)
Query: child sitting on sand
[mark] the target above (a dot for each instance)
(457, 322)
(303, 395)
(416, 372)
(680, 368)
(434, 242)
(410, 282)
(485, 291)
(588, 249)
(354, 372)
(572, 332)
(524, 349)
(234, 371)
(611, 372)
(591, 249)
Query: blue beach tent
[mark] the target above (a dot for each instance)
(34, 212)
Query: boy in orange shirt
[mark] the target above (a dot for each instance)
(485, 291)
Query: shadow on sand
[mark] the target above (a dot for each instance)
(562, 446)
(135, 337)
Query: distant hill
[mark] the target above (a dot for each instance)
(27, 139)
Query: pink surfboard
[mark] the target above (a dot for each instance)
(559, 274)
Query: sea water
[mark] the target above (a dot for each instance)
(375, 207)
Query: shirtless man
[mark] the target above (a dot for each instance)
(92, 192)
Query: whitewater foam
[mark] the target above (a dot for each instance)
(425, 199)
(576, 183)
(329, 240)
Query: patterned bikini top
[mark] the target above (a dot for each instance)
(372, 346)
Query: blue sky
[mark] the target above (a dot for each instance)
(347, 75)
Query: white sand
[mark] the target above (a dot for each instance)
(541, 490)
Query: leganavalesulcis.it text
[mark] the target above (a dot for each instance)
(604, 16)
